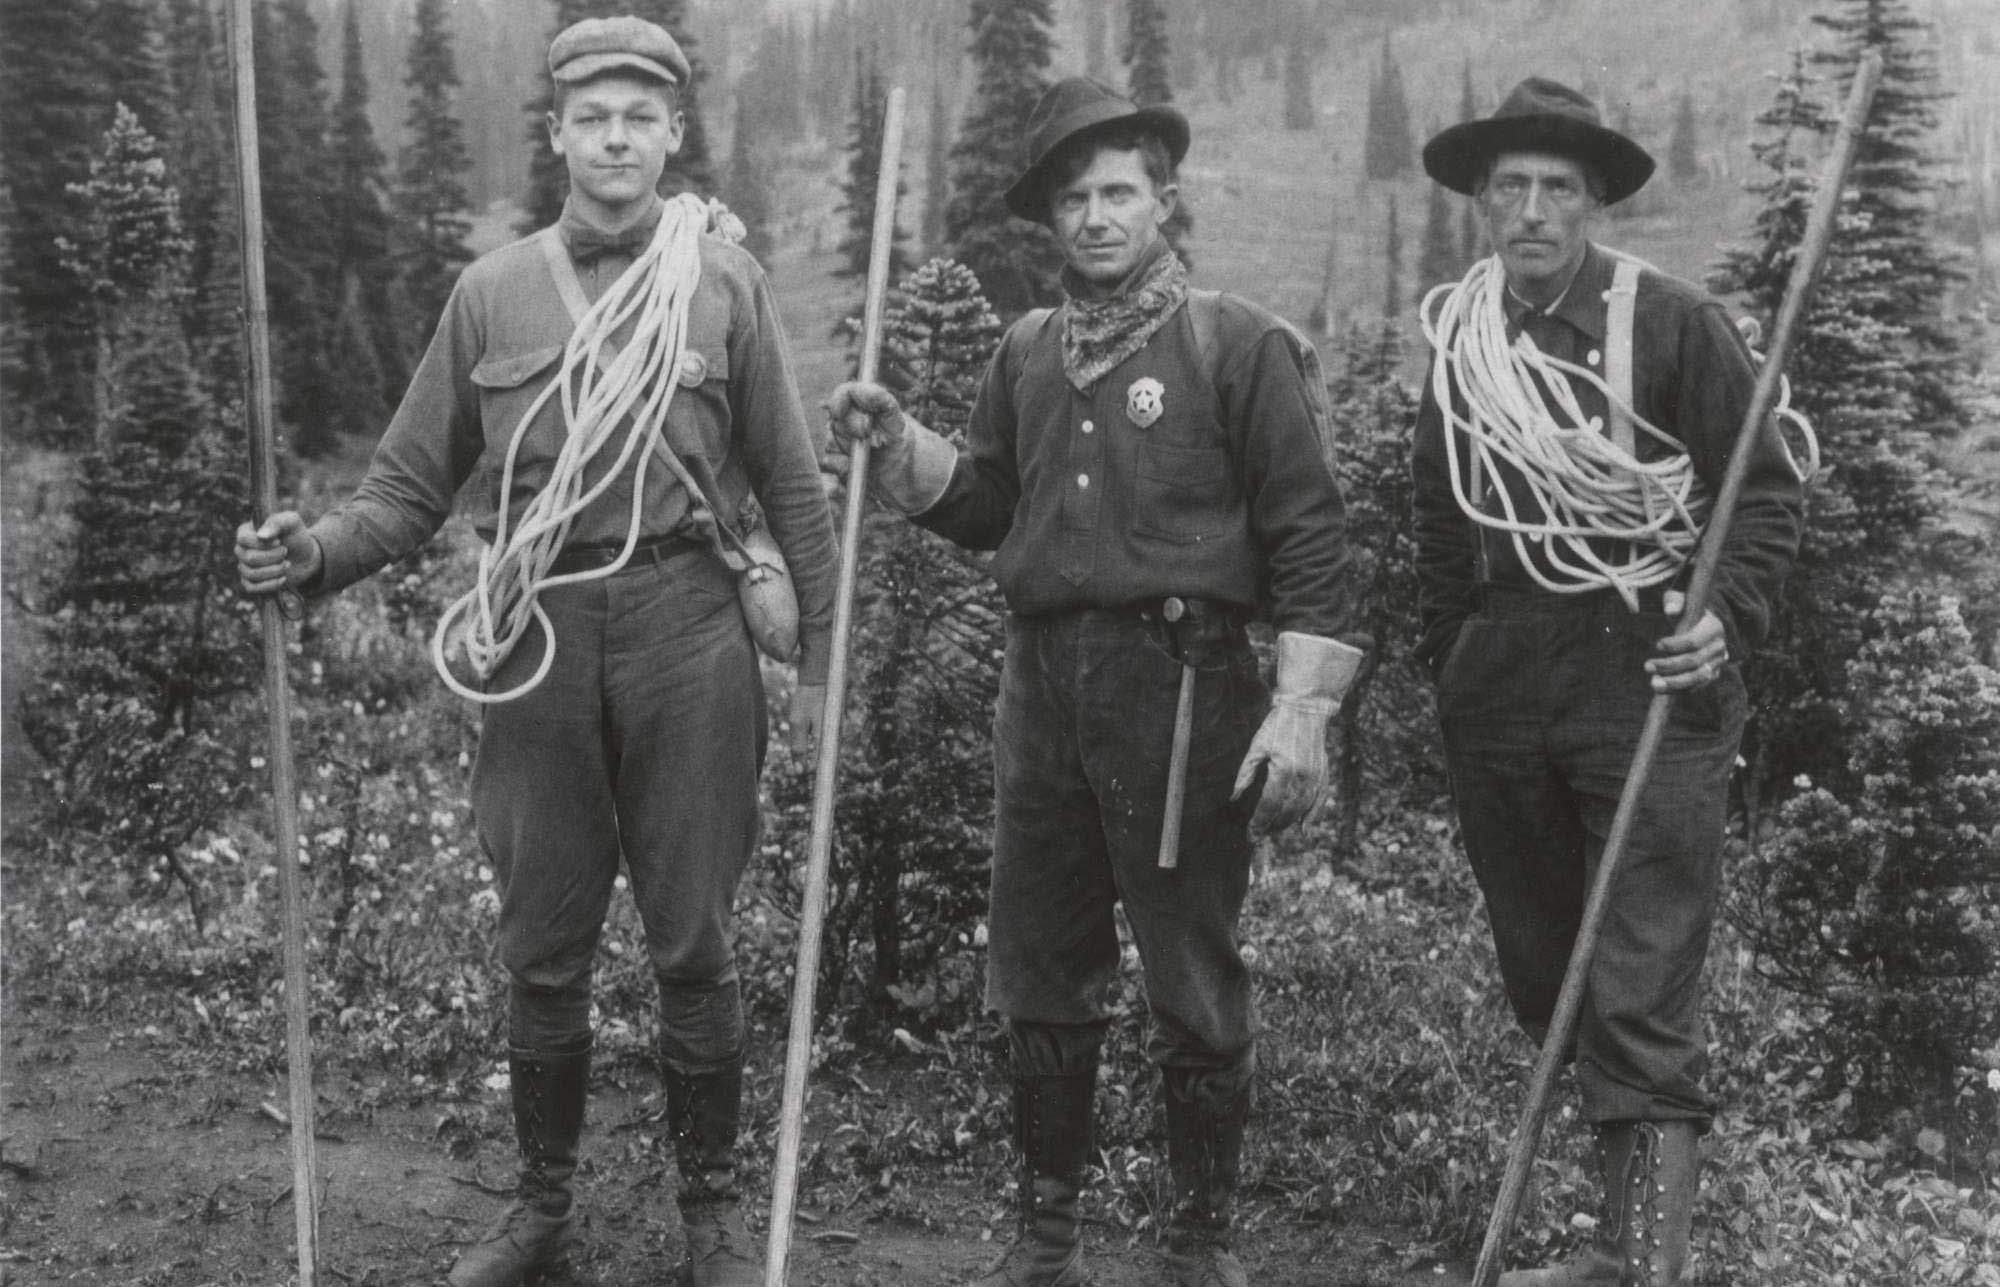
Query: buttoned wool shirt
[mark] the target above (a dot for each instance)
(1692, 378)
(1173, 474)
(734, 420)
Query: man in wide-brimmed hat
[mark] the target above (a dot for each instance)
(1560, 487)
(1152, 466)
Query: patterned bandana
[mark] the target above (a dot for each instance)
(1098, 334)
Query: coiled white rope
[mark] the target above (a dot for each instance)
(1521, 413)
(620, 403)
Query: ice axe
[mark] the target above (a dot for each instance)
(270, 615)
(819, 849)
(1805, 268)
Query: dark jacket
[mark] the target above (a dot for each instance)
(1692, 378)
(1229, 495)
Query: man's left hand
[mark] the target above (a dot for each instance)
(808, 709)
(1290, 748)
(1691, 660)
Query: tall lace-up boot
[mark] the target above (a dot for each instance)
(703, 1115)
(1053, 1116)
(548, 1090)
(1650, 1172)
(1204, 1152)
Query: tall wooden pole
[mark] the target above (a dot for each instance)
(1805, 269)
(277, 688)
(819, 850)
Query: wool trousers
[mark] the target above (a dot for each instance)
(1541, 700)
(639, 750)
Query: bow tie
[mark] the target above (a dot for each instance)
(587, 244)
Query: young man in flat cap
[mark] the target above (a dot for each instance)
(643, 742)
(1551, 565)
(1152, 466)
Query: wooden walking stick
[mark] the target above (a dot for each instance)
(1812, 254)
(819, 850)
(277, 690)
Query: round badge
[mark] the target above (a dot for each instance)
(1144, 401)
(694, 369)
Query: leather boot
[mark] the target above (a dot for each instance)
(1650, 1172)
(1204, 1152)
(703, 1112)
(548, 1090)
(1053, 1116)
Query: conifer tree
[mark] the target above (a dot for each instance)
(1468, 226)
(430, 197)
(1015, 261)
(130, 48)
(931, 669)
(1849, 376)
(1096, 37)
(1387, 146)
(1684, 146)
(53, 100)
(1145, 53)
(1392, 257)
(1897, 176)
(202, 149)
(1148, 85)
(299, 261)
(129, 256)
(864, 169)
(937, 166)
(1438, 260)
(749, 192)
(361, 227)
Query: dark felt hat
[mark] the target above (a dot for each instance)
(1076, 106)
(1539, 116)
(599, 45)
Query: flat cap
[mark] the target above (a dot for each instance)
(599, 45)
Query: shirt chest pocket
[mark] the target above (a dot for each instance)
(509, 387)
(1183, 494)
(699, 418)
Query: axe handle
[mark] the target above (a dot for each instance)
(1170, 819)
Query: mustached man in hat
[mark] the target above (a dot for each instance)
(641, 744)
(1579, 416)
(1152, 465)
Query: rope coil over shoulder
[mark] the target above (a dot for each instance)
(614, 399)
(1584, 476)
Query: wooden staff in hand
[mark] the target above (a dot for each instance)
(271, 617)
(819, 850)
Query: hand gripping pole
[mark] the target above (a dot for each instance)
(819, 852)
(1805, 269)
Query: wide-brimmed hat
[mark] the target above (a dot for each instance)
(1539, 116)
(1076, 106)
(596, 46)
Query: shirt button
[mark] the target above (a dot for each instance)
(1592, 357)
(1083, 480)
(1088, 426)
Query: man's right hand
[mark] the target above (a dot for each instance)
(858, 411)
(280, 555)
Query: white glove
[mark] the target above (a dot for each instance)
(1290, 747)
(909, 466)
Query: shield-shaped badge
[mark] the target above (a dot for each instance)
(1144, 401)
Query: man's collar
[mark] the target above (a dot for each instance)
(1583, 305)
(584, 237)
(1076, 288)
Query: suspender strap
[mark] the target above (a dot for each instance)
(1618, 352)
